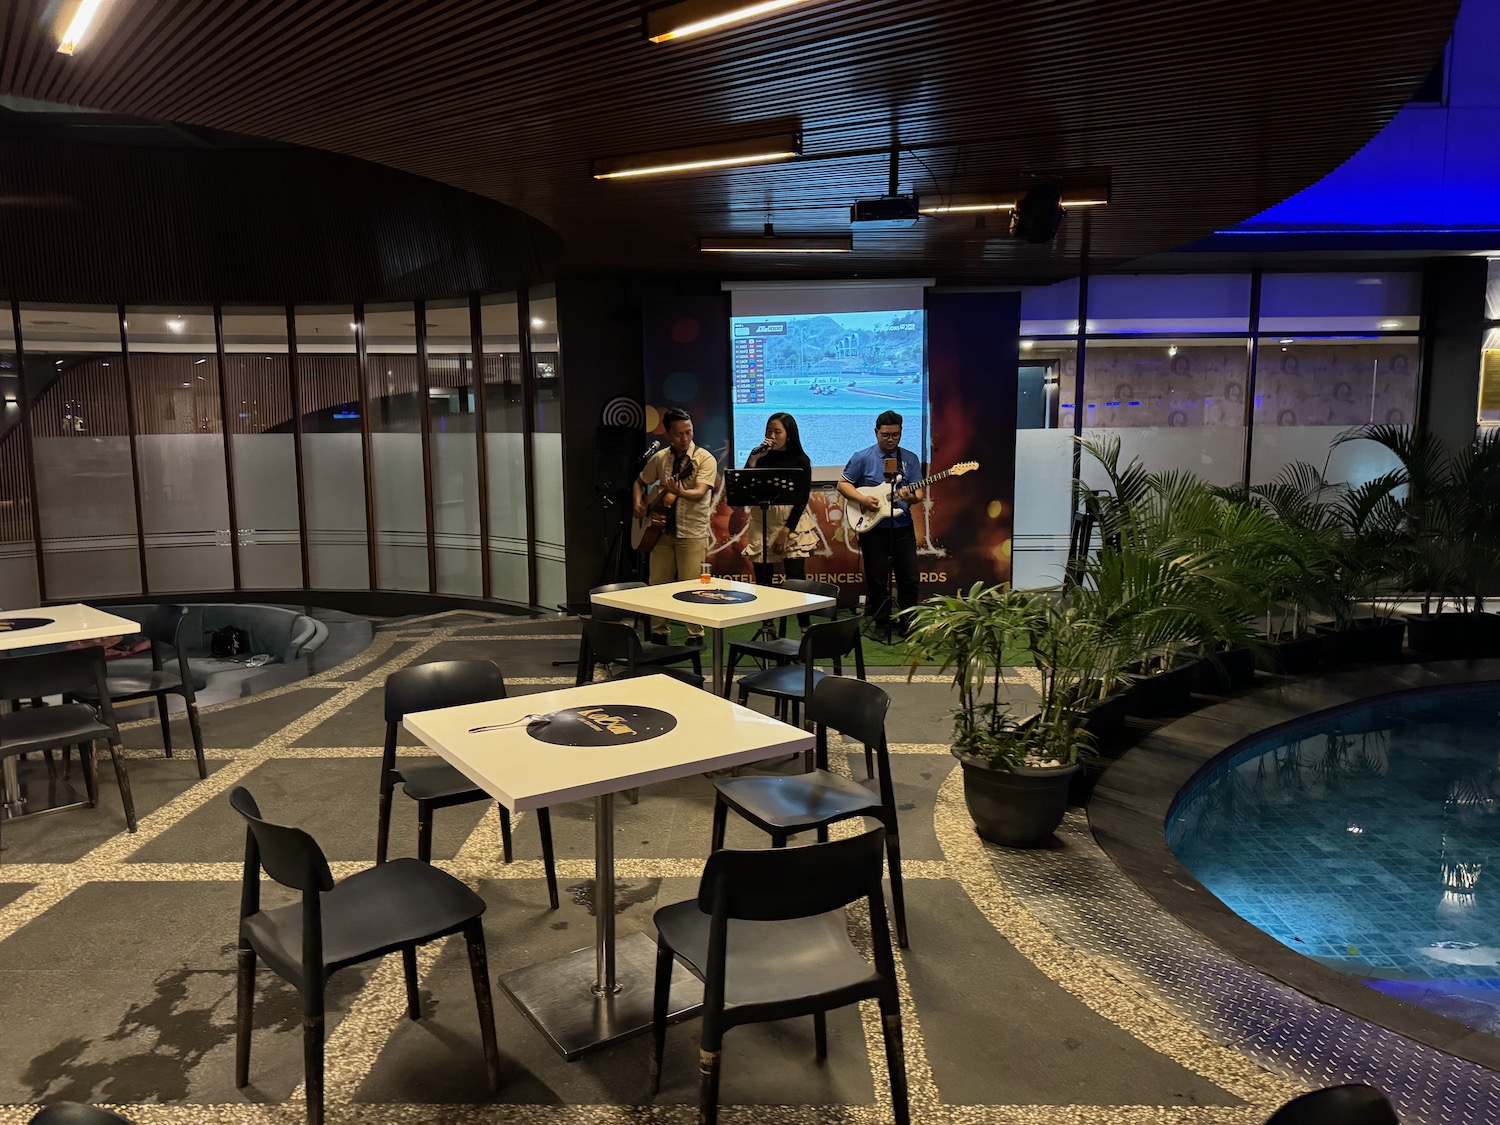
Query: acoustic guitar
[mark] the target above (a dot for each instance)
(645, 531)
(860, 520)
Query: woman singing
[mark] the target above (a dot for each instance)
(792, 535)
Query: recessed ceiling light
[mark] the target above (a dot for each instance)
(538, 322)
(200, 359)
(175, 325)
(757, 150)
(1172, 350)
(78, 27)
(693, 17)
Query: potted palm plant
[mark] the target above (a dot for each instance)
(1016, 767)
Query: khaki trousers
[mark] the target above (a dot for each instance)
(675, 559)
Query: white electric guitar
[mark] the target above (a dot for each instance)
(860, 520)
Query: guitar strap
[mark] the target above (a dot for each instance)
(681, 470)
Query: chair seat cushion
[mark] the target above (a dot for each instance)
(783, 648)
(668, 654)
(128, 687)
(789, 680)
(59, 724)
(434, 779)
(770, 962)
(799, 801)
(372, 913)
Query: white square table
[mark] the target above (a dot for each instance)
(495, 746)
(764, 603)
(33, 628)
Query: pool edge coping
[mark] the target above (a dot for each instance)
(1129, 807)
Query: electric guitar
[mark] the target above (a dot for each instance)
(645, 531)
(860, 520)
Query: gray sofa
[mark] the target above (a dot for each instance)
(282, 634)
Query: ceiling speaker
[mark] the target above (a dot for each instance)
(1038, 214)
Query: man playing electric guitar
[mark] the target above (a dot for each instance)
(689, 472)
(893, 542)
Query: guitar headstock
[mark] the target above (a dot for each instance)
(963, 467)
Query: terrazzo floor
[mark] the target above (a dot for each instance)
(1026, 999)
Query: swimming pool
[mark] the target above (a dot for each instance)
(1364, 841)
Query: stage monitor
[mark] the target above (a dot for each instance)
(834, 356)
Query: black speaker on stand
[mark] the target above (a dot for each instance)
(617, 456)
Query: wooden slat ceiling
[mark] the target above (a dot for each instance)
(1203, 113)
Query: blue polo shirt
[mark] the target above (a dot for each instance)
(867, 467)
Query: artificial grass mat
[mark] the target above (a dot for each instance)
(877, 655)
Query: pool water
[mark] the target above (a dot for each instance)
(1364, 841)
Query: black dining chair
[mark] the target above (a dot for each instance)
(433, 783)
(784, 806)
(767, 936)
(68, 673)
(169, 675)
(790, 685)
(75, 1113)
(389, 907)
(613, 643)
(1355, 1104)
(782, 649)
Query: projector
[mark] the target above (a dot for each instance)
(889, 212)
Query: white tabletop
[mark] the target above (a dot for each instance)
(770, 602)
(68, 623)
(523, 773)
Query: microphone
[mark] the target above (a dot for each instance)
(654, 447)
(761, 448)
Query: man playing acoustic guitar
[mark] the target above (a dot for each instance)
(686, 472)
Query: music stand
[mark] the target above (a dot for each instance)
(763, 488)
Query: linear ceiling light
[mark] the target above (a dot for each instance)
(79, 27)
(772, 243)
(972, 203)
(758, 150)
(693, 17)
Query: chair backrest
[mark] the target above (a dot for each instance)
(289, 855)
(161, 624)
(441, 683)
(817, 588)
(72, 1113)
(774, 884)
(828, 640)
(612, 642)
(66, 672)
(855, 708)
(608, 613)
(1355, 1104)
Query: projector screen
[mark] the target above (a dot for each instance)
(834, 357)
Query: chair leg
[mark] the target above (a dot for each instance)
(197, 730)
(383, 828)
(721, 820)
(244, 1013)
(634, 795)
(734, 659)
(507, 852)
(820, 1035)
(661, 998)
(51, 761)
(895, 1059)
(869, 763)
(166, 724)
(479, 970)
(413, 987)
(123, 780)
(898, 892)
(90, 768)
(312, 1062)
(424, 831)
(708, 1081)
(549, 858)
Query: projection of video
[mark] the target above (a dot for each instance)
(834, 373)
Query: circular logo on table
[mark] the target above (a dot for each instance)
(608, 724)
(712, 596)
(17, 624)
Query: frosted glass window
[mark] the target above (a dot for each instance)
(1044, 464)
(1489, 377)
(1171, 303)
(1492, 291)
(1340, 302)
(332, 448)
(72, 366)
(548, 540)
(504, 452)
(1050, 310)
(393, 390)
(18, 574)
(1307, 392)
(455, 456)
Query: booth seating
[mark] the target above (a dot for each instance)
(282, 634)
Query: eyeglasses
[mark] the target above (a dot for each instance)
(888, 433)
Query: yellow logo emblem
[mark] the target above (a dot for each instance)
(595, 718)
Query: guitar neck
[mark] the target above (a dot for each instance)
(925, 481)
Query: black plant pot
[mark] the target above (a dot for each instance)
(1454, 636)
(1081, 785)
(1293, 657)
(1104, 723)
(1162, 693)
(1362, 641)
(1223, 673)
(1019, 807)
